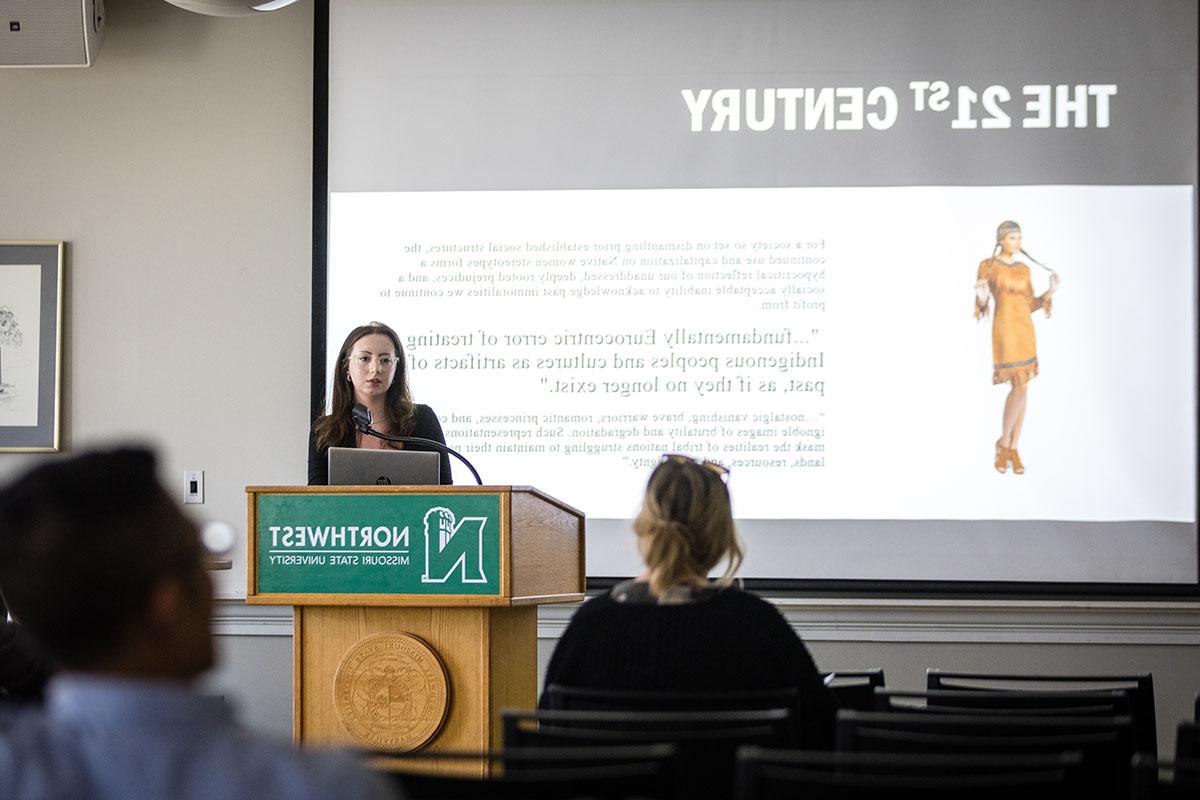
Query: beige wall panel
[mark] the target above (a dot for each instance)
(178, 169)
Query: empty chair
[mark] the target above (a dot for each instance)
(982, 733)
(764, 774)
(574, 698)
(1106, 743)
(1187, 742)
(854, 689)
(647, 771)
(1187, 773)
(528, 728)
(1140, 688)
(707, 740)
(1015, 703)
(1164, 780)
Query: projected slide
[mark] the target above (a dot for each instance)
(927, 289)
(821, 343)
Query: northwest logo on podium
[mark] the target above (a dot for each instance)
(361, 543)
(459, 547)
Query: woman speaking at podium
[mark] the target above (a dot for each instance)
(371, 370)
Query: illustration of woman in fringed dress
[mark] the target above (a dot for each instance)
(1006, 279)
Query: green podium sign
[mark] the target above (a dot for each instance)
(412, 544)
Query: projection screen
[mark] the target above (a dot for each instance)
(773, 234)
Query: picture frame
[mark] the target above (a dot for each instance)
(31, 323)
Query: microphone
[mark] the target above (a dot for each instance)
(362, 421)
(362, 417)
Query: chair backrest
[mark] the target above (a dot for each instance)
(707, 740)
(577, 698)
(764, 774)
(854, 688)
(1140, 688)
(647, 771)
(1106, 743)
(1014, 703)
(1164, 780)
(1187, 742)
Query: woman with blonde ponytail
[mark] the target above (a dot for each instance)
(676, 629)
(685, 529)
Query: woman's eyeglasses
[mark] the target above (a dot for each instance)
(680, 458)
(364, 360)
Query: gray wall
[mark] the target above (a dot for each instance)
(178, 169)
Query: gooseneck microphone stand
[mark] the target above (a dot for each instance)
(362, 421)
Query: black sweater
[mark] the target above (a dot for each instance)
(727, 640)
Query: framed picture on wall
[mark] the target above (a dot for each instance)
(31, 306)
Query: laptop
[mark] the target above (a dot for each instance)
(351, 466)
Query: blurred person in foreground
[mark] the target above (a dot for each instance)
(673, 629)
(24, 668)
(105, 571)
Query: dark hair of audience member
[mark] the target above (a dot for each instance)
(83, 543)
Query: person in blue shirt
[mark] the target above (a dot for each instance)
(106, 572)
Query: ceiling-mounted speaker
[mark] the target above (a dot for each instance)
(230, 8)
(50, 33)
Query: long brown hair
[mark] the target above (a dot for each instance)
(336, 429)
(686, 525)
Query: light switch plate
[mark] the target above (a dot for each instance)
(193, 486)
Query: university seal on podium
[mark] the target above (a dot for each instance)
(391, 692)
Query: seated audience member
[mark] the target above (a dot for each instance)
(104, 570)
(24, 668)
(673, 629)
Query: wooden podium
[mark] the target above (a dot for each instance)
(415, 606)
